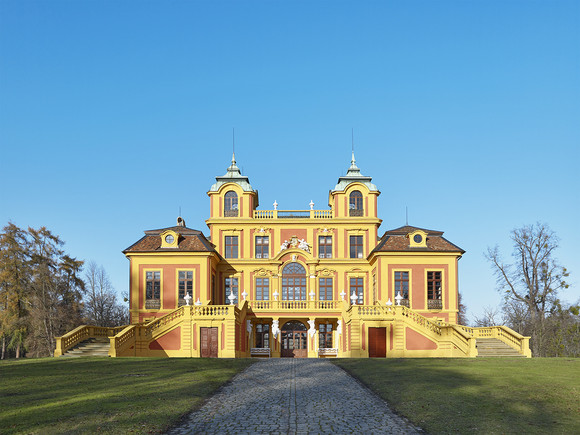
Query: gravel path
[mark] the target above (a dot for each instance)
(287, 395)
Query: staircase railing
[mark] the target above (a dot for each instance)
(122, 341)
(81, 333)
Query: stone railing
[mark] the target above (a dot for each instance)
(122, 341)
(420, 320)
(212, 310)
(294, 305)
(370, 311)
(292, 214)
(81, 333)
(159, 323)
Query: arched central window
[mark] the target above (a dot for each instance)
(294, 325)
(231, 204)
(355, 203)
(294, 282)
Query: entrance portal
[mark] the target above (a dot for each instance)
(294, 340)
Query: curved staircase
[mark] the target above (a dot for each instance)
(98, 346)
(492, 347)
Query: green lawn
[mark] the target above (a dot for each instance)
(483, 395)
(105, 395)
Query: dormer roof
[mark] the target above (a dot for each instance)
(353, 175)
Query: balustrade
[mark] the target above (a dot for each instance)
(292, 214)
(294, 305)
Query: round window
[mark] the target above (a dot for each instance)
(169, 238)
(418, 238)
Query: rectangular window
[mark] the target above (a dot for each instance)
(262, 246)
(231, 246)
(263, 335)
(231, 287)
(402, 286)
(325, 335)
(153, 290)
(434, 290)
(324, 247)
(356, 246)
(262, 289)
(185, 285)
(356, 287)
(325, 289)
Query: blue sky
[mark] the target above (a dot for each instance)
(115, 114)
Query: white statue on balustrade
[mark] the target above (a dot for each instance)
(339, 327)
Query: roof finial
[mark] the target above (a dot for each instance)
(233, 146)
(352, 160)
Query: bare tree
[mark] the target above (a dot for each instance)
(489, 317)
(462, 311)
(534, 278)
(101, 306)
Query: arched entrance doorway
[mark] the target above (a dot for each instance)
(294, 282)
(294, 340)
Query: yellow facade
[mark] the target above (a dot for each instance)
(298, 283)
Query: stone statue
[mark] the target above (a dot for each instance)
(275, 328)
(312, 330)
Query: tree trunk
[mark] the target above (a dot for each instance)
(3, 347)
(18, 351)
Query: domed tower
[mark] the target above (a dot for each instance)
(232, 200)
(232, 196)
(354, 196)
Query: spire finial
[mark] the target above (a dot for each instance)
(233, 146)
(352, 160)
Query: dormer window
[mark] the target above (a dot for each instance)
(355, 203)
(417, 239)
(169, 239)
(231, 204)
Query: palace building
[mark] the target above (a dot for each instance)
(294, 283)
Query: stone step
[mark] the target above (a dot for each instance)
(492, 347)
(90, 347)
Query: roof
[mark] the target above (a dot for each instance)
(397, 241)
(189, 240)
(353, 175)
(233, 175)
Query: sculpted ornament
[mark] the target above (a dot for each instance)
(275, 328)
(295, 242)
(312, 330)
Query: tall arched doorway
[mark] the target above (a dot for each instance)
(294, 282)
(294, 340)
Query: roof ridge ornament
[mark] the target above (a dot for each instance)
(353, 175)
